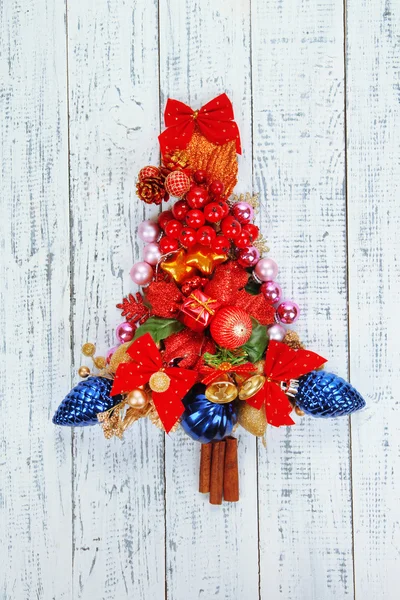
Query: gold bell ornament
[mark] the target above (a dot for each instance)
(251, 386)
(222, 391)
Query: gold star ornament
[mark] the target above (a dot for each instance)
(204, 259)
(178, 267)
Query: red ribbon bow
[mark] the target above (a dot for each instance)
(281, 365)
(214, 120)
(214, 374)
(147, 360)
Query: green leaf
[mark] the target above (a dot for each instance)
(257, 343)
(159, 328)
(252, 287)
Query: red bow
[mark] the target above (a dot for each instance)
(147, 360)
(281, 365)
(214, 120)
(213, 374)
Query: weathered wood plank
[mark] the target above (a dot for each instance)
(35, 459)
(114, 123)
(373, 227)
(304, 474)
(211, 551)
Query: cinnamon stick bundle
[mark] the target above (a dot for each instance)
(231, 471)
(217, 472)
(205, 468)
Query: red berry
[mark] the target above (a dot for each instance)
(221, 244)
(180, 209)
(173, 228)
(213, 212)
(225, 207)
(195, 218)
(200, 176)
(252, 230)
(231, 228)
(217, 187)
(243, 240)
(168, 244)
(164, 218)
(206, 235)
(188, 237)
(197, 197)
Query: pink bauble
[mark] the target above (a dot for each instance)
(125, 332)
(243, 212)
(177, 184)
(151, 253)
(141, 273)
(272, 291)
(248, 257)
(276, 332)
(266, 269)
(288, 312)
(148, 231)
(109, 354)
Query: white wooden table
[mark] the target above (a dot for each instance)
(316, 91)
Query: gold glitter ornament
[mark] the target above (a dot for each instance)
(292, 340)
(159, 382)
(221, 392)
(251, 386)
(251, 419)
(83, 372)
(260, 366)
(137, 398)
(120, 356)
(88, 349)
(99, 362)
(155, 419)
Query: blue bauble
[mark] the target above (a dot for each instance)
(325, 395)
(82, 405)
(205, 421)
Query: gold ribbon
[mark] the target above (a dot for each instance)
(205, 306)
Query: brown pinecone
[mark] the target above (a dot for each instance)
(151, 190)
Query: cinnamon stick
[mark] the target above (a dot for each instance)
(231, 471)
(217, 472)
(205, 468)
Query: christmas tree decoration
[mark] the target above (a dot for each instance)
(322, 394)
(203, 345)
(85, 401)
(205, 421)
(231, 327)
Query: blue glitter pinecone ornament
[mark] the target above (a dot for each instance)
(322, 394)
(205, 421)
(82, 405)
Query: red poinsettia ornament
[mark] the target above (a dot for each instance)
(168, 384)
(281, 365)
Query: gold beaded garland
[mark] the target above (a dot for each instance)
(83, 372)
(88, 349)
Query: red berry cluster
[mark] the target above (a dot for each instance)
(193, 220)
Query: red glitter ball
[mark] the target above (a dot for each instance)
(165, 299)
(227, 280)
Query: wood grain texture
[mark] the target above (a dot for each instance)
(304, 475)
(114, 123)
(35, 458)
(373, 141)
(211, 551)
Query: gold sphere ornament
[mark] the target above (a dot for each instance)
(159, 382)
(251, 386)
(137, 399)
(83, 372)
(99, 362)
(221, 392)
(299, 412)
(88, 349)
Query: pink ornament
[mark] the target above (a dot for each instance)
(141, 273)
(288, 312)
(148, 172)
(248, 257)
(266, 270)
(148, 231)
(151, 253)
(243, 212)
(276, 332)
(110, 353)
(125, 332)
(177, 184)
(272, 291)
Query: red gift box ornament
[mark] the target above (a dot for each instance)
(169, 385)
(214, 120)
(198, 310)
(281, 365)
